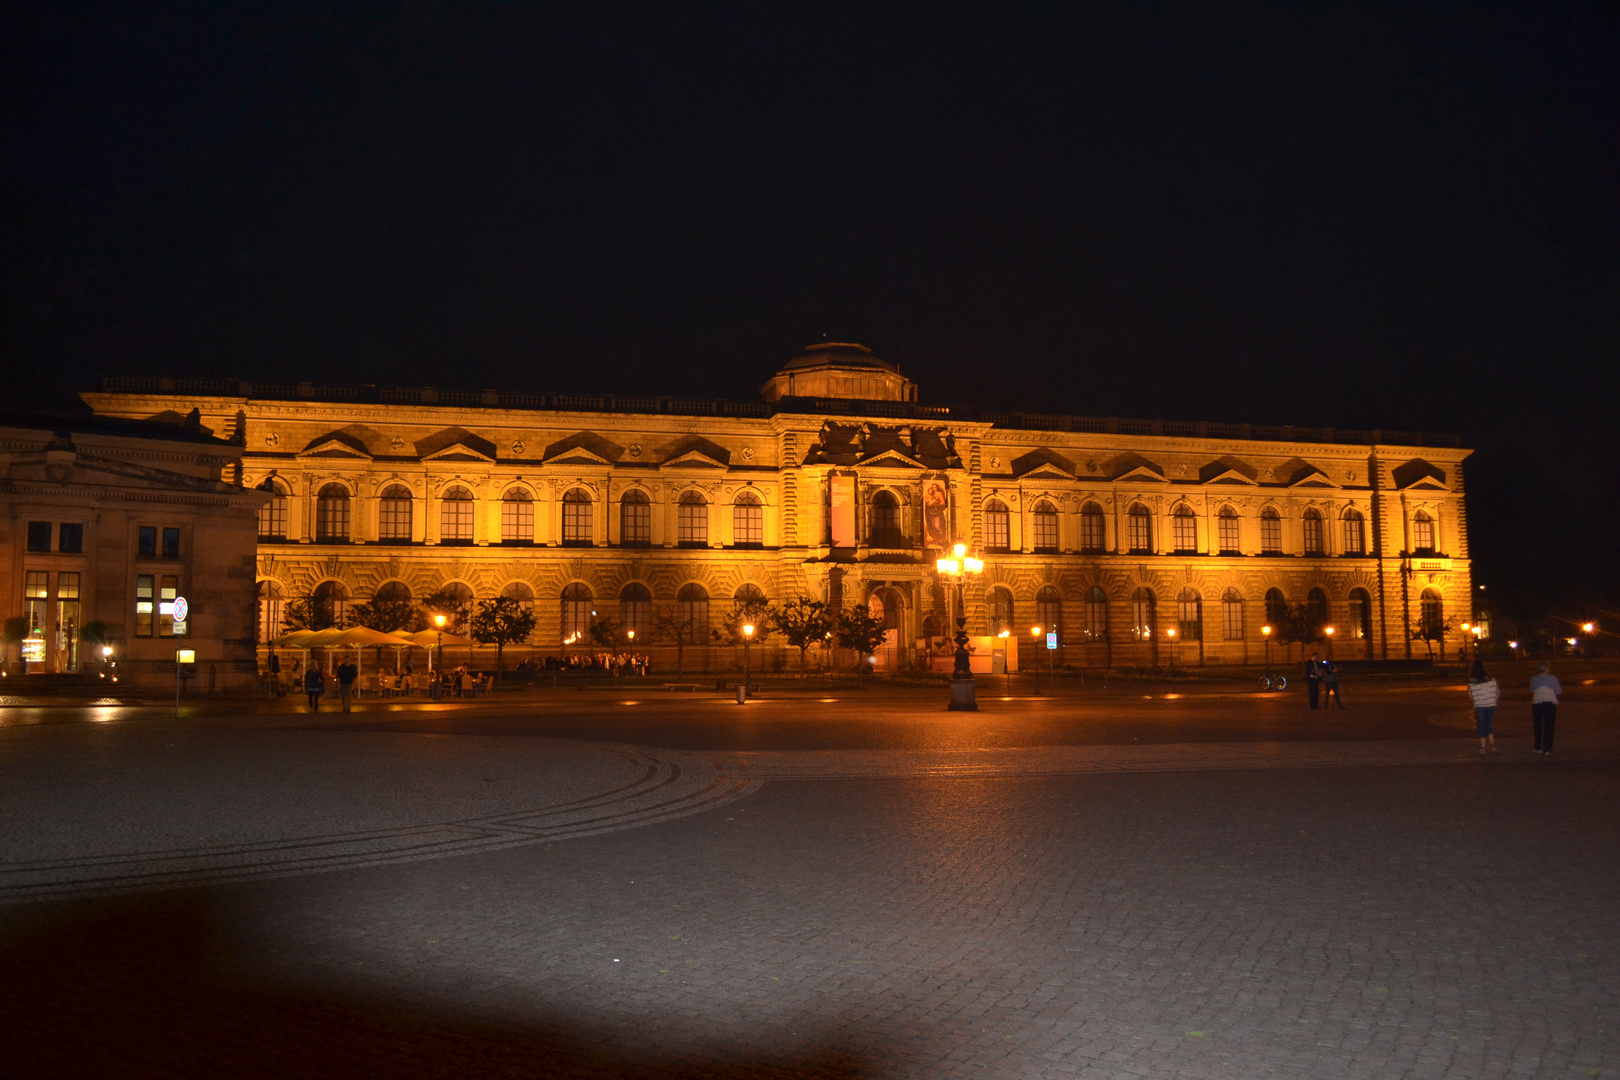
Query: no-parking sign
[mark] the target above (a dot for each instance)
(1051, 639)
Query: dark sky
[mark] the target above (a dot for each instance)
(1277, 213)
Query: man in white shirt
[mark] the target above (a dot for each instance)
(1544, 691)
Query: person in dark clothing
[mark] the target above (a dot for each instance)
(1313, 678)
(275, 673)
(1330, 681)
(346, 675)
(1544, 691)
(314, 686)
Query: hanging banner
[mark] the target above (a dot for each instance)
(936, 514)
(843, 510)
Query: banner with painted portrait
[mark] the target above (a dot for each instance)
(936, 514)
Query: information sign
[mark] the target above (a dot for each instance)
(33, 650)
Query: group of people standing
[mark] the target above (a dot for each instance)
(1485, 694)
(1322, 675)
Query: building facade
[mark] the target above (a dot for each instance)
(104, 524)
(841, 486)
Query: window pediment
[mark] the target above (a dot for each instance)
(583, 448)
(1043, 462)
(1229, 470)
(455, 444)
(696, 451)
(1296, 473)
(1420, 475)
(892, 459)
(337, 444)
(1136, 467)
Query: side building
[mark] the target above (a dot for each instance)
(103, 524)
(841, 486)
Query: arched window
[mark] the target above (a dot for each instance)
(1142, 614)
(635, 519)
(392, 592)
(747, 594)
(576, 522)
(692, 610)
(635, 610)
(997, 530)
(1313, 531)
(1140, 529)
(885, 531)
(999, 608)
(1227, 523)
(332, 515)
(1316, 613)
(1276, 609)
(1360, 615)
(331, 604)
(1422, 533)
(394, 515)
(456, 516)
(1270, 531)
(1189, 615)
(1096, 614)
(747, 521)
(519, 591)
(1232, 615)
(1046, 527)
(272, 606)
(517, 517)
(1433, 614)
(1049, 610)
(576, 613)
(1184, 529)
(692, 520)
(1091, 529)
(273, 514)
(1355, 532)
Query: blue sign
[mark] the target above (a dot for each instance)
(1051, 639)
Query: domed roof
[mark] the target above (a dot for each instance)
(838, 354)
(839, 369)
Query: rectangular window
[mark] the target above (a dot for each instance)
(1313, 535)
(1355, 537)
(748, 525)
(635, 523)
(1141, 533)
(1271, 535)
(692, 524)
(517, 521)
(36, 592)
(171, 543)
(1185, 533)
(1046, 532)
(39, 536)
(1229, 534)
(67, 618)
(168, 589)
(997, 530)
(394, 520)
(1096, 620)
(1232, 610)
(1190, 620)
(144, 610)
(1091, 532)
(147, 546)
(576, 522)
(70, 538)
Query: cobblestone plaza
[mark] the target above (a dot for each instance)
(1118, 884)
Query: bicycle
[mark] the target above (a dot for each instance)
(1273, 682)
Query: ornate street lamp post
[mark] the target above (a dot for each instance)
(438, 678)
(1170, 633)
(956, 567)
(1265, 632)
(748, 636)
(1327, 632)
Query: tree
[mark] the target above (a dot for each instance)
(455, 610)
(858, 630)
(94, 632)
(15, 628)
(1430, 631)
(803, 622)
(300, 613)
(1295, 627)
(669, 626)
(756, 613)
(385, 616)
(606, 633)
(501, 622)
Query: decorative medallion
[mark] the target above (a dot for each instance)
(995, 463)
(1351, 475)
(1091, 466)
(518, 447)
(748, 453)
(272, 439)
(1181, 470)
(397, 443)
(635, 450)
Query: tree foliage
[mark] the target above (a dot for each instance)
(1432, 631)
(386, 616)
(501, 622)
(608, 633)
(802, 622)
(756, 613)
(302, 613)
(860, 631)
(456, 611)
(668, 625)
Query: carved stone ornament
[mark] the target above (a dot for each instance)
(1091, 466)
(272, 439)
(635, 450)
(995, 463)
(518, 447)
(748, 453)
(1181, 470)
(1351, 475)
(397, 443)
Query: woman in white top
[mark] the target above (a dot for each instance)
(1482, 690)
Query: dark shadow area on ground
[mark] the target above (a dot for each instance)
(146, 986)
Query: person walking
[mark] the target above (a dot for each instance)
(1313, 678)
(314, 686)
(1330, 682)
(1544, 691)
(275, 673)
(1484, 693)
(346, 674)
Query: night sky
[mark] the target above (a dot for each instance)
(1271, 213)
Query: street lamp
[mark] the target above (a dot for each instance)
(1327, 631)
(438, 624)
(1006, 671)
(1171, 634)
(1035, 632)
(748, 636)
(1265, 634)
(956, 567)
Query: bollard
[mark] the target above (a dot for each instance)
(742, 693)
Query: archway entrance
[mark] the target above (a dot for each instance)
(888, 604)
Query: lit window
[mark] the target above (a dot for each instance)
(145, 608)
(168, 589)
(1096, 614)
(456, 517)
(273, 514)
(1049, 610)
(635, 519)
(692, 520)
(1270, 531)
(517, 517)
(576, 613)
(1422, 533)
(332, 515)
(1140, 531)
(1228, 525)
(576, 523)
(635, 610)
(394, 515)
(1001, 611)
(1355, 533)
(997, 530)
(1189, 615)
(748, 521)
(1313, 532)
(1046, 527)
(1232, 615)
(885, 531)
(1184, 526)
(1091, 528)
(1142, 605)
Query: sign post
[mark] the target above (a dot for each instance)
(182, 657)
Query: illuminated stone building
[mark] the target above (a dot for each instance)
(841, 485)
(104, 523)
